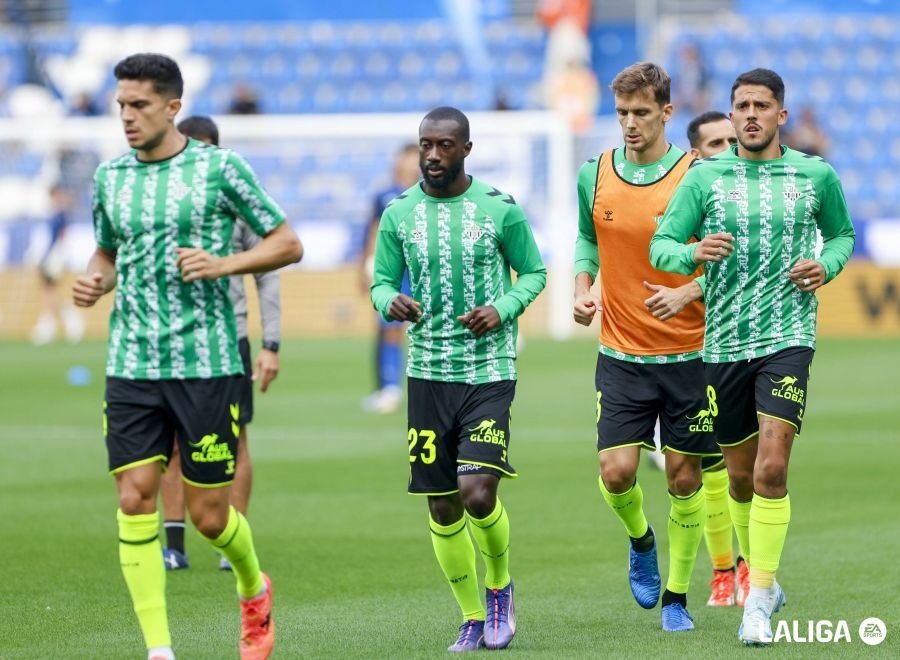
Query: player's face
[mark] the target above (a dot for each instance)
(757, 116)
(715, 136)
(442, 153)
(643, 119)
(146, 116)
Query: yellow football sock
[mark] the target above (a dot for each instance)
(718, 520)
(687, 517)
(740, 518)
(456, 555)
(492, 536)
(236, 543)
(769, 520)
(140, 555)
(629, 506)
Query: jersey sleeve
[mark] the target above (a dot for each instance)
(682, 220)
(246, 196)
(103, 229)
(834, 222)
(522, 254)
(389, 265)
(587, 258)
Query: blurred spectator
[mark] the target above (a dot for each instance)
(51, 269)
(567, 23)
(575, 93)
(501, 103)
(690, 81)
(83, 106)
(243, 101)
(805, 134)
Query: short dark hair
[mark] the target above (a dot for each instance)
(634, 78)
(161, 70)
(200, 128)
(693, 129)
(447, 112)
(764, 77)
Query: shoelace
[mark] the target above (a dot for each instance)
(466, 631)
(502, 604)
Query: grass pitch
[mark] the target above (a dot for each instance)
(349, 551)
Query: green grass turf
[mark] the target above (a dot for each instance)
(348, 549)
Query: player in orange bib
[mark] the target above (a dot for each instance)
(648, 367)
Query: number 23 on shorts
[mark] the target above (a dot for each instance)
(426, 452)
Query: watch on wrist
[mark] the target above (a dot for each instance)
(271, 346)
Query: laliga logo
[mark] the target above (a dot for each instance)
(872, 631)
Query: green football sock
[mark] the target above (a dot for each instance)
(740, 518)
(140, 555)
(236, 543)
(456, 555)
(769, 520)
(687, 518)
(492, 536)
(718, 520)
(629, 506)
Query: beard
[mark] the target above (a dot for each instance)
(760, 146)
(443, 181)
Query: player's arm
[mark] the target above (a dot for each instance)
(98, 280)
(587, 258)
(838, 237)
(245, 198)
(667, 302)
(522, 254)
(268, 291)
(388, 275)
(682, 220)
(100, 276)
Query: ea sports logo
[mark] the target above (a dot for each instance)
(872, 631)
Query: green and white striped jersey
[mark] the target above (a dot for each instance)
(161, 327)
(772, 208)
(458, 251)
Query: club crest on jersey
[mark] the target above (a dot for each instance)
(791, 194)
(472, 234)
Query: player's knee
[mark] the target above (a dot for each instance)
(479, 498)
(617, 479)
(445, 510)
(684, 483)
(770, 477)
(210, 523)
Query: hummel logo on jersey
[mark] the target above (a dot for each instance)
(418, 235)
(496, 193)
(791, 194)
(734, 195)
(607, 215)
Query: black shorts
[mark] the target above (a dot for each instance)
(245, 396)
(457, 429)
(632, 396)
(772, 385)
(141, 418)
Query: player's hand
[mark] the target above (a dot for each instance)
(198, 264)
(586, 306)
(666, 302)
(807, 275)
(481, 319)
(266, 368)
(714, 247)
(404, 308)
(88, 289)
